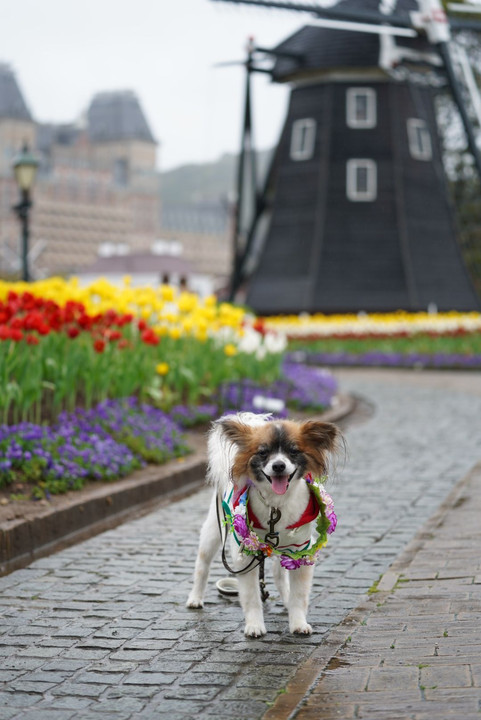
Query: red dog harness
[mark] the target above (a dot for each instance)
(310, 513)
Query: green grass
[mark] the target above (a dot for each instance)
(468, 344)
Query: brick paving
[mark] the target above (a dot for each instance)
(101, 629)
(413, 649)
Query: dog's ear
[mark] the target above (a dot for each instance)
(227, 449)
(320, 435)
(237, 432)
(318, 439)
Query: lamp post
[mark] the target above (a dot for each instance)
(25, 169)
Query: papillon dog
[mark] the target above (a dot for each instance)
(267, 461)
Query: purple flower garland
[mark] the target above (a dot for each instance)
(251, 543)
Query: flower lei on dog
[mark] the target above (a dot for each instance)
(250, 544)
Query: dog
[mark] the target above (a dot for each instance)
(262, 471)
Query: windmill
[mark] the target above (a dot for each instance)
(355, 212)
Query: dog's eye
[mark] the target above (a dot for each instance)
(263, 453)
(293, 451)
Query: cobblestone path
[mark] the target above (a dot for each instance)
(100, 630)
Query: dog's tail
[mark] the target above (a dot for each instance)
(221, 451)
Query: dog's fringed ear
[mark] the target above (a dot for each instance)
(235, 431)
(227, 437)
(320, 435)
(319, 440)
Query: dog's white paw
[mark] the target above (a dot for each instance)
(194, 602)
(255, 629)
(301, 629)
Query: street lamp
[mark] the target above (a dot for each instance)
(25, 169)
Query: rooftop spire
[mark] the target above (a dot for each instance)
(12, 103)
(117, 115)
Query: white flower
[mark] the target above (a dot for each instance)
(250, 342)
(275, 342)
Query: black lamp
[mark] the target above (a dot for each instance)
(25, 169)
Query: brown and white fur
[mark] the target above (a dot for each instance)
(272, 457)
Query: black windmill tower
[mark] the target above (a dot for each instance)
(355, 213)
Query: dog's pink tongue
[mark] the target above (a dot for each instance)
(280, 484)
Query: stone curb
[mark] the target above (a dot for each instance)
(326, 657)
(101, 508)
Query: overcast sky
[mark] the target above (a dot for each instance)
(64, 51)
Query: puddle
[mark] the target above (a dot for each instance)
(335, 663)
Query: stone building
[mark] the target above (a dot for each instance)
(98, 196)
(97, 181)
(204, 233)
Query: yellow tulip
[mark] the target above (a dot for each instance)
(201, 335)
(167, 293)
(162, 368)
(230, 350)
(161, 330)
(175, 333)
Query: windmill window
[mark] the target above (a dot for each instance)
(419, 139)
(361, 111)
(303, 138)
(361, 180)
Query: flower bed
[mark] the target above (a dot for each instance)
(100, 380)
(63, 346)
(364, 325)
(374, 358)
(116, 437)
(437, 340)
(104, 443)
(301, 387)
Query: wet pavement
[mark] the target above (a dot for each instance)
(101, 629)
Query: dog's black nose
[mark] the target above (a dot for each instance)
(279, 467)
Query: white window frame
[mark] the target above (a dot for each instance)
(370, 121)
(352, 191)
(419, 150)
(303, 139)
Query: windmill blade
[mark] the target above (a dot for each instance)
(230, 63)
(244, 63)
(335, 13)
(363, 27)
(444, 51)
(460, 54)
(247, 191)
(461, 8)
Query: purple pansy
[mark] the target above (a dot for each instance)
(240, 526)
(105, 443)
(376, 358)
(290, 563)
(332, 517)
(300, 387)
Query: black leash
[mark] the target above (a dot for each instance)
(250, 566)
(271, 537)
(262, 585)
